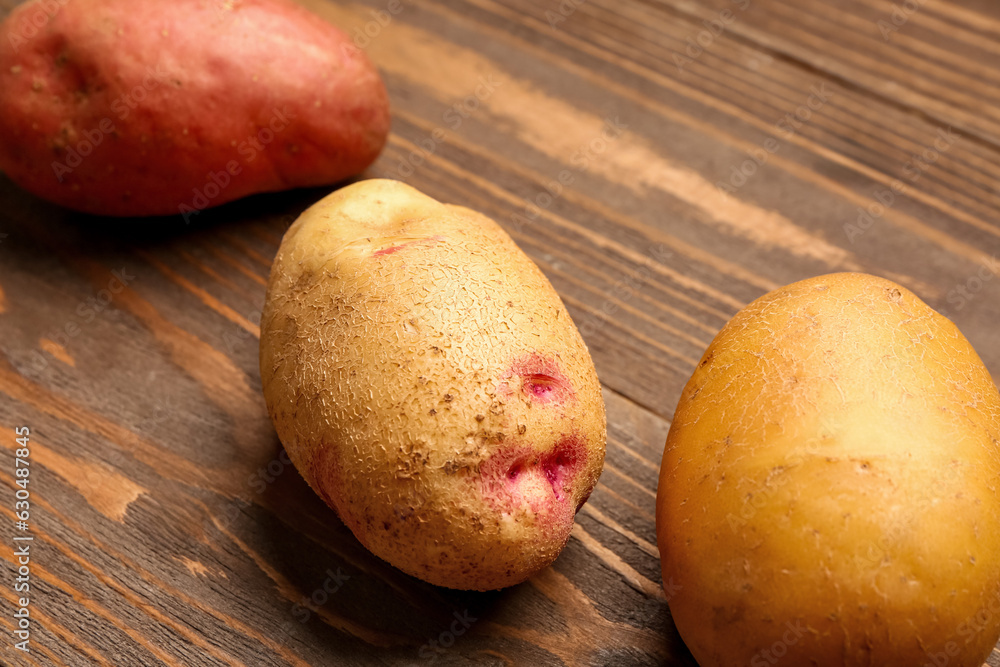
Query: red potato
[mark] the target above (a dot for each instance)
(118, 107)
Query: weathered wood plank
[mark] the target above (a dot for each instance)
(169, 527)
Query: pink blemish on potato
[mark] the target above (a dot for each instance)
(396, 248)
(540, 386)
(559, 469)
(517, 476)
(541, 380)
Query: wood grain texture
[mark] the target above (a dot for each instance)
(171, 530)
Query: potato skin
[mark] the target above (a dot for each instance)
(428, 383)
(159, 107)
(828, 494)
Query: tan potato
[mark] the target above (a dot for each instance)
(429, 384)
(829, 489)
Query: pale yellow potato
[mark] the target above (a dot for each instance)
(428, 383)
(828, 495)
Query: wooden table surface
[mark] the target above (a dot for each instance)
(663, 161)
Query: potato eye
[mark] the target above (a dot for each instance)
(539, 384)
